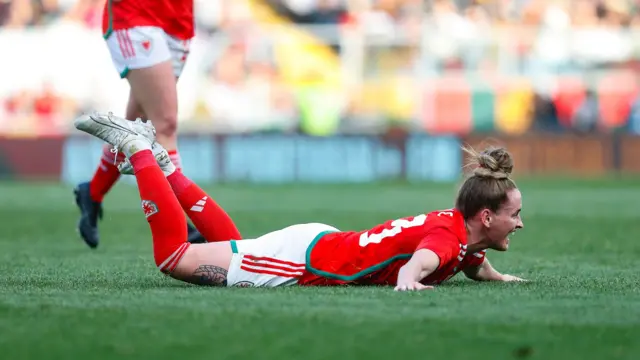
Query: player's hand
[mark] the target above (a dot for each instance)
(412, 286)
(508, 278)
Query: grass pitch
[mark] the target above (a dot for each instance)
(580, 247)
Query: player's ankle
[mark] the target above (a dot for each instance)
(169, 170)
(142, 159)
(134, 146)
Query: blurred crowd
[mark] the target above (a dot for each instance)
(568, 65)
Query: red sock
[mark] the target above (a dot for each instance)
(175, 159)
(162, 210)
(207, 216)
(106, 174)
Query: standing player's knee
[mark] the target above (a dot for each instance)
(166, 124)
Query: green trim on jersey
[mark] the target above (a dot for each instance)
(124, 73)
(353, 277)
(234, 246)
(110, 17)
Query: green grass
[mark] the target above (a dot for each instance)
(580, 247)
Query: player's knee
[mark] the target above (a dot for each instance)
(166, 126)
(168, 258)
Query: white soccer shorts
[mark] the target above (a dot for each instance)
(145, 46)
(274, 259)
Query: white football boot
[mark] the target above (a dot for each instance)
(160, 153)
(125, 135)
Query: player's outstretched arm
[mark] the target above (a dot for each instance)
(486, 272)
(422, 263)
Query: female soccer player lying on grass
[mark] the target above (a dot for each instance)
(411, 253)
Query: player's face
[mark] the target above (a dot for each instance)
(506, 221)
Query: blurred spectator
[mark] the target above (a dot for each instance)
(387, 54)
(243, 93)
(5, 11)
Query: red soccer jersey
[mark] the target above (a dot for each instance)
(374, 257)
(175, 17)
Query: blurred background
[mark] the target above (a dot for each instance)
(282, 90)
(344, 112)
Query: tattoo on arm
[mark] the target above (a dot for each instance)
(210, 275)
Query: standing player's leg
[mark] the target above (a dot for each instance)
(154, 88)
(152, 75)
(134, 109)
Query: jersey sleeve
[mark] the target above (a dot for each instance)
(443, 243)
